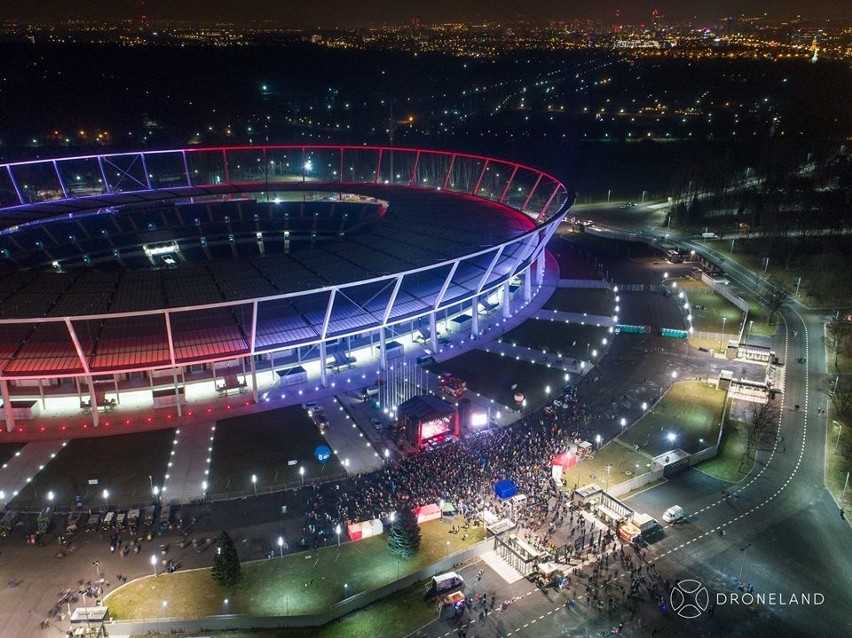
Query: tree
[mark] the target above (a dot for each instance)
(838, 333)
(762, 418)
(774, 294)
(226, 563)
(404, 535)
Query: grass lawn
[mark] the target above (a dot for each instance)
(262, 444)
(819, 265)
(716, 308)
(120, 463)
(277, 586)
(624, 464)
(728, 465)
(383, 619)
(838, 459)
(566, 339)
(593, 301)
(690, 410)
(493, 376)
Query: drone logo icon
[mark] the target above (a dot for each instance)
(689, 598)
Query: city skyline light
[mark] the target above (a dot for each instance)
(338, 13)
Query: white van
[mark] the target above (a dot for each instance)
(674, 514)
(445, 582)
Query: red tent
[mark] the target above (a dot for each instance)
(566, 460)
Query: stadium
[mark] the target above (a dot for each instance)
(165, 278)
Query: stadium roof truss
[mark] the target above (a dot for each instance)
(36, 191)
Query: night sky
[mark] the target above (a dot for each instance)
(333, 13)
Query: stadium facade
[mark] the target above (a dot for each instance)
(151, 278)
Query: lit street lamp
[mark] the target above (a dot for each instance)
(302, 475)
(623, 423)
(337, 531)
(281, 547)
(254, 483)
(154, 564)
(598, 440)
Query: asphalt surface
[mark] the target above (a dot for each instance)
(783, 531)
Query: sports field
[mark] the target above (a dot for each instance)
(126, 465)
(264, 445)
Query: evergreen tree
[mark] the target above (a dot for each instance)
(226, 563)
(404, 535)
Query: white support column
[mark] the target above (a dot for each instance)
(323, 370)
(528, 284)
(433, 331)
(174, 361)
(542, 259)
(507, 302)
(474, 316)
(7, 405)
(383, 355)
(252, 346)
(78, 348)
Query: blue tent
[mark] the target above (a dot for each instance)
(505, 488)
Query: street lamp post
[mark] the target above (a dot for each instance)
(742, 562)
(302, 475)
(254, 483)
(598, 441)
(280, 547)
(724, 319)
(337, 531)
(154, 564)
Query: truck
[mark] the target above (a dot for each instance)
(73, 523)
(133, 520)
(148, 515)
(44, 521)
(647, 524)
(628, 532)
(94, 522)
(674, 514)
(8, 522)
(445, 582)
(165, 516)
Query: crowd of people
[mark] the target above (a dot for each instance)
(463, 473)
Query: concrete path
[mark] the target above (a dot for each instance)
(19, 471)
(190, 461)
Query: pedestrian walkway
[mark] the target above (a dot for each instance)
(189, 463)
(503, 569)
(347, 438)
(574, 317)
(550, 359)
(19, 471)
